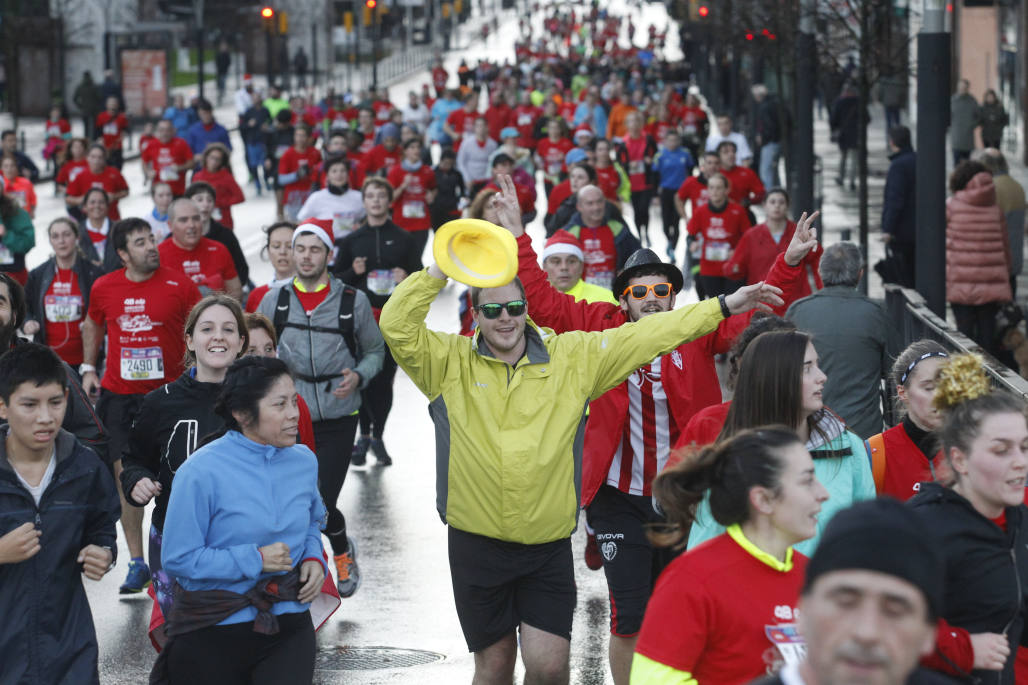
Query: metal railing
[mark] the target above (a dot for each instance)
(915, 321)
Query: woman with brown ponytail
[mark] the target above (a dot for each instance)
(981, 527)
(724, 612)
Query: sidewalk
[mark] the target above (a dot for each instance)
(841, 211)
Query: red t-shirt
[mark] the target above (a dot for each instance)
(723, 615)
(64, 310)
(637, 165)
(463, 122)
(552, 154)
(746, 185)
(111, 126)
(382, 109)
(439, 78)
(498, 117)
(609, 181)
(310, 300)
(209, 265)
(704, 426)
(256, 295)
(560, 192)
(600, 255)
(410, 210)
(226, 192)
(340, 118)
(906, 466)
(658, 129)
(721, 232)
(523, 118)
(163, 157)
(145, 327)
(291, 161)
(110, 179)
(695, 191)
(381, 158)
(70, 171)
(692, 120)
(55, 130)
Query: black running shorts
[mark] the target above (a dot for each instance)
(498, 585)
(630, 563)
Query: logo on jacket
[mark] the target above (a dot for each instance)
(609, 550)
(676, 359)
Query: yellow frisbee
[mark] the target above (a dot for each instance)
(476, 252)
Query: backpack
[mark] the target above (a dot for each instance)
(345, 329)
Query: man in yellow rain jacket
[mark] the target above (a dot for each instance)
(509, 410)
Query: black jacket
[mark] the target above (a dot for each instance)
(449, 190)
(899, 208)
(171, 422)
(227, 237)
(109, 261)
(385, 247)
(986, 569)
(47, 634)
(39, 282)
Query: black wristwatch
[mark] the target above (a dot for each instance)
(724, 306)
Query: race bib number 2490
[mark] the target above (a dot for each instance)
(142, 364)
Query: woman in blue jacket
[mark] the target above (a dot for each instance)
(245, 515)
(781, 383)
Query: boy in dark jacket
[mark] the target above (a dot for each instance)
(58, 508)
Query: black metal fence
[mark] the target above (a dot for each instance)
(915, 321)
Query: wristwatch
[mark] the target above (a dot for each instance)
(725, 312)
(86, 368)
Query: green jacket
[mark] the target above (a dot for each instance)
(19, 235)
(509, 439)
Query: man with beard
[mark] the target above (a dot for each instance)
(632, 428)
(79, 419)
(509, 405)
(143, 309)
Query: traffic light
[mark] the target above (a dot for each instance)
(703, 11)
(371, 4)
(369, 9)
(267, 13)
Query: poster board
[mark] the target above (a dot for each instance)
(144, 76)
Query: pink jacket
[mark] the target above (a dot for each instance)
(977, 251)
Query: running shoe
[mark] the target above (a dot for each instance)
(359, 455)
(593, 559)
(347, 574)
(137, 579)
(379, 448)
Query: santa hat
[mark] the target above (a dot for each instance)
(247, 79)
(562, 242)
(583, 129)
(322, 228)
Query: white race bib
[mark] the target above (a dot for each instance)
(380, 281)
(637, 167)
(142, 364)
(524, 119)
(414, 210)
(604, 279)
(786, 637)
(169, 174)
(62, 308)
(717, 251)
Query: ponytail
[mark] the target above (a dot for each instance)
(728, 470)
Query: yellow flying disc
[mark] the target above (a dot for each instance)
(476, 252)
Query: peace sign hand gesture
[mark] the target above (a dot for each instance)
(505, 204)
(804, 240)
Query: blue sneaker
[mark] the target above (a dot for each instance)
(137, 579)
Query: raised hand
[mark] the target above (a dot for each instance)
(804, 240)
(757, 296)
(505, 204)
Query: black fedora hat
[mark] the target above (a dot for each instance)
(645, 259)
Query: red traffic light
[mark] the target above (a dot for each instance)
(749, 36)
(704, 10)
(267, 12)
(371, 4)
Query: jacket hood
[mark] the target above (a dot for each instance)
(64, 445)
(980, 191)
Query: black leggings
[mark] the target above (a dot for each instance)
(641, 212)
(670, 216)
(377, 399)
(236, 655)
(334, 439)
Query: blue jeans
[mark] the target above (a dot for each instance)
(769, 154)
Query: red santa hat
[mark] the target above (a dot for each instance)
(583, 129)
(322, 228)
(562, 242)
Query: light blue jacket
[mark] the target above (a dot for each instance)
(231, 497)
(846, 475)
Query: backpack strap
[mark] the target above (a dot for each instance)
(281, 311)
(345, 327)
(876, 445)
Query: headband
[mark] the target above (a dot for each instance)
(926, 355)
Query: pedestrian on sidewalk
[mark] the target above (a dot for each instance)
(899, 211)
(768, 138)
(977, 255)
(994, 119)
(110, 88)
(965, 117)
(89, 99)
(222, 62)
(845, 124)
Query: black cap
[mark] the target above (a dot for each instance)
(886, 536)
(502, 158)
(645, 259)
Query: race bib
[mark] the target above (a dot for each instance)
(690, 129)
(717, 251)
(554, 168)
(6, 256)
(637, 167)
(604, 279)
(380, 281)
(169, 174)
(786, 637)
(413, 210)
(142, 364)
(62, 308)
(341, 225)
(524, 119)
(111, 129)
